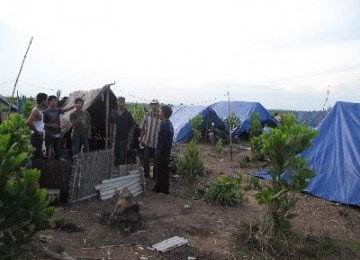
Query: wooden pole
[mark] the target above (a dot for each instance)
(107, 118)
(22, 64)
(107, 91)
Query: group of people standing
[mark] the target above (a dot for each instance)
(156, 138)
(156, 134)
(44, 121)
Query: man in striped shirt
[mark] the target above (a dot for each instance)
(150, 127)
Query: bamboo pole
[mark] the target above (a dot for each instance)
(22, 64)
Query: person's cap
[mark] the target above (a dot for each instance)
(154, 101)
(121, 99)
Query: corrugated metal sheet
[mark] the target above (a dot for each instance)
(133, 181)
(170, 243)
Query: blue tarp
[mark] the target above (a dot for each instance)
(334, 156)
(310, 118)
(7, 103)
(243, 110)
(181, 116)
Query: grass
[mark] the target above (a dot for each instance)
(248, 241)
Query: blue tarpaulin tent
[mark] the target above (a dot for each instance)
(243, 110)
(310, 118)
(181, 116)
(3, 100)
(334, 156)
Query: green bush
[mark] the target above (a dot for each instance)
(226, 191)
(24, 208)
(19, 132)
(27, 107)
(255, 125)
(256, 144)
(138, 111)
(195, 125)
(280, 148)
(232, 121)
(219, 146)
(191, 165)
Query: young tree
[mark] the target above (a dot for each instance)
(281, 147)
(24, 208)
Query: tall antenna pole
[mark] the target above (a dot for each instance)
(327, 97)
(22, 64)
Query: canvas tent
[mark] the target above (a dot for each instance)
(310, 118)
(335, 156)
(95, 104)
(181, 116)
(243, 110)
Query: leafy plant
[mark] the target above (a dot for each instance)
(27, 107)
(232, 121)
(19, 132)
(256, 144)
(190, 166)
(24, 208)
(219, 146)
(195, 125)
(226, 191)
(137, 111)
(281, 147)
(255, 125)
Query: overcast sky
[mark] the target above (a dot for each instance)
(284, 54)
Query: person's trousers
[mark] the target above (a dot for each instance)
(120, 151)
(52, 142)
(148, 153)
(162, 181)
(37, 142)
(77, 142)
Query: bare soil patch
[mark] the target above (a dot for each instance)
(209, 228)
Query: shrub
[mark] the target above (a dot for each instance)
(255, 125)
(232, 121)
(191, 165)
(195, 125)
(226, 191)
(219, 146)
(281, 147)
(24, 208)
(137, 111)
(256, 144)
(27, 107)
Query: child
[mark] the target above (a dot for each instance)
(163, 151)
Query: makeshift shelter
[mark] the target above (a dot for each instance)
(181, 121)
(243, 110)
(310, 118)
(95, 104)
(335, 155)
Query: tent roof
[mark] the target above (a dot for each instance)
(310, 118)
(243, 110)
(335, 155)
(90, 98)
(181, 116)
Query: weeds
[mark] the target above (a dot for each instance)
(290, 245)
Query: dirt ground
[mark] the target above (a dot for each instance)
(208, 228)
